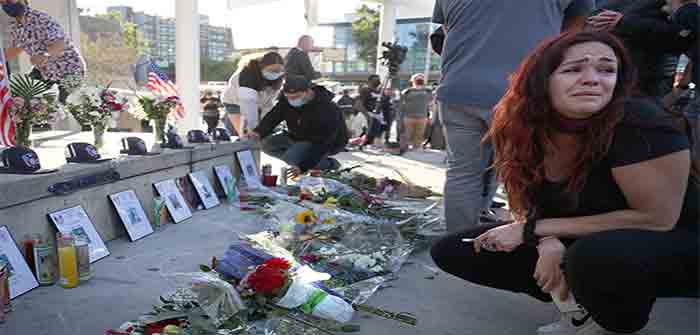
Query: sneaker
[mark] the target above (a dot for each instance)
(592, 328)
(569, 324)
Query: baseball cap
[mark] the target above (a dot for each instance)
(21, 160)
(294, 84)
(81, 152)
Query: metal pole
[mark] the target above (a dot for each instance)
(428, 55)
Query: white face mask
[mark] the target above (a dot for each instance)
(272, 75)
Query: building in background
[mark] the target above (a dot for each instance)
(216, 42)
(410, 32)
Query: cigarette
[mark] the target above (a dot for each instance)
(468, 240)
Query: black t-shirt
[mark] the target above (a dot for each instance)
(638, 138)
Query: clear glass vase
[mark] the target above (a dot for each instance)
(159, 129)
(99, 132)
(23, 130)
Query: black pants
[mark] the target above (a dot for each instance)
(615, 275)
(212, 122)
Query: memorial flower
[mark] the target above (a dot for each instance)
(306, 217)
(93, 107)
(32, 105)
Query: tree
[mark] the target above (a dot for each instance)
(365, 32)
(212, 70)
(111, 49)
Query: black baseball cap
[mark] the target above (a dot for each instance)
(136, 147)
(21, 160)
(81, 152)
(197, 136)
(174, 141)
(221, 134)
(294, 84)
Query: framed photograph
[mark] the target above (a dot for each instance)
(204, 189)
(189, 193)
(227, 181)
(76, 222)
(249, 169)
(132, 214)
(21, 278)
(174, 201)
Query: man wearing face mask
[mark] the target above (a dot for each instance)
(298, 62)
(316, 129)
(56, 60)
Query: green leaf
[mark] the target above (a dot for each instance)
(204, 268)
(350, 328)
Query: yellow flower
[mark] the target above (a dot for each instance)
(331, 202)
(306, 217)
(328, 221)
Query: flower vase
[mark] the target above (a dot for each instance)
(99, 132)
(160, 131)
(23, 130)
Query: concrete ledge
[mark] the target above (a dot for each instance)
(25, 200)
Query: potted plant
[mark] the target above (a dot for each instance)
(32, 105)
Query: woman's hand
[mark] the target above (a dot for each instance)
(548, 269)
(503, 238)
(606, 20)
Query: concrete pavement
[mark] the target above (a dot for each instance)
(129, 281)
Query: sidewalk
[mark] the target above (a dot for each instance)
(130, 280)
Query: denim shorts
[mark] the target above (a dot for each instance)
(232, 109)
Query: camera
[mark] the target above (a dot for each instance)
(393, 57)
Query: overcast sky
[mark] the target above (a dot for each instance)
(278, 23)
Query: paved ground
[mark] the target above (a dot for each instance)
(132, 278)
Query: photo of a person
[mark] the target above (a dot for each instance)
(5, 262)
(80, 233)
(174, 201)
(133, 216)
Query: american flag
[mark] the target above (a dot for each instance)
(7, 127)
(159, 83)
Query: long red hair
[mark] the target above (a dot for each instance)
(523, 122)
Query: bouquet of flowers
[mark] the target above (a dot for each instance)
(92, 107)
(273, 282)
(32, 105)
(157, 109)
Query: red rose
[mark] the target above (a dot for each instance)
(277, 263)
(266, 280)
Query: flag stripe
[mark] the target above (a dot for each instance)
(7, 127)
(159, 83)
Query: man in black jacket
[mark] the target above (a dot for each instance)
(316, 129)
(653, 40)
(297, 61)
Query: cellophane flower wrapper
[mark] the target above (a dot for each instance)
(330, 307)
(216, 297)
(318, 185)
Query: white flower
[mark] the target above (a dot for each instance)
(377, 268)
(327, 251)
(94, 113)
(379, 256)
(364, 262)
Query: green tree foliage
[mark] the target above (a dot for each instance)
(365, 32)
(212, 70)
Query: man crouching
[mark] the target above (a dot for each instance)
(315, 128)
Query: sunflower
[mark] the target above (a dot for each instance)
(306, 217)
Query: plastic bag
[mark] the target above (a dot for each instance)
(218, 299)
(316, 302)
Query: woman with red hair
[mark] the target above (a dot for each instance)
(606, 210)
